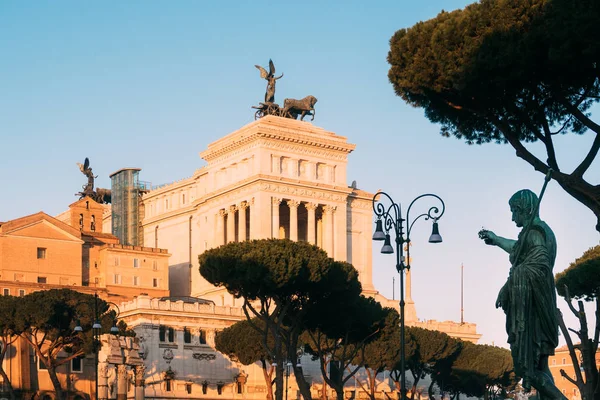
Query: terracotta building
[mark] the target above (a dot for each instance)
(40, 252)
(122, 271)
(561, 360)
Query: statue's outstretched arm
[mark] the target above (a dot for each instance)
(492, 239)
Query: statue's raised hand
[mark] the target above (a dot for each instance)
(488, 237)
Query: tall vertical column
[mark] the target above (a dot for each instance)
(103, 381)
(121, 382)
(220, 234)
(293, 205)
(328, 229)
(242, 221)
(140, 382)
(231, 224)
(275, 218)
(310, 226)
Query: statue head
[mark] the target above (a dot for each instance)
(523, 204)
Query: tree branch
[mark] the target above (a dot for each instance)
(593, 152)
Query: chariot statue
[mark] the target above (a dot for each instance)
(292, 108)
(99, 195)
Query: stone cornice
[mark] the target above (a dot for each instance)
(268, 131)
(278, 186)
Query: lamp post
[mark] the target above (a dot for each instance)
(390, 219)
(97, 331)
(288, 365)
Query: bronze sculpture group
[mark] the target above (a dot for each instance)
(99, 195)
(528, 298)
(292, 108)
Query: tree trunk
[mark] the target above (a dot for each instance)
(339, 391)
(303, 386)
(7, 381)
(60, 395)
(268, 380)
(430, 390)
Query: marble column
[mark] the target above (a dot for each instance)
(220, 234)
(310, 225)
(231, 224)
(242, 221)
(121, 382)
(293, 205)
(140, 382)
(103, 381)
(328, 229)
(275, 219)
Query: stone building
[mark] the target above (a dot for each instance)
(122, 271)
(273, 178)
(561, 360)
(40, 252)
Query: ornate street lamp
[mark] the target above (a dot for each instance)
(390, 220)
(97, 331)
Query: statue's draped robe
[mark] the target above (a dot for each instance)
(529, 300)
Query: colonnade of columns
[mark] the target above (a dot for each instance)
(120, 382)
(292, 219)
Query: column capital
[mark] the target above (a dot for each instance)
(311, 206)
(232, 209)
(222, 213)
(292, 203)
(122, 371)
(243, 205)
(329, 209)
(103, 369)
(276, 201)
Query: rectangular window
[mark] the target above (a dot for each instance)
(183, 198)
(155, 265)
(154, 282)
(6, 292)
(41, 365)
(136, 281)
(161, 333)
(188, 386)
(21, 293)
(117, 261)
(117, 279)
(202, 337)
(564, 360)
(41, 279)
(41, 253)
(187, 335)
(96, 280)
(171, 335)
(136, 263)
(77, 365)
(168, 386)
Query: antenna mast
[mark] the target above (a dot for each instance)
(462, 309)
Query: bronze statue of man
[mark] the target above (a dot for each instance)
(528, 297)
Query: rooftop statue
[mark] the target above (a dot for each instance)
(528, 297)
(292, 108)
(99, 195)
(271, 80)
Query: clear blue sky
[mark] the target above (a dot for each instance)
(150, 84)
